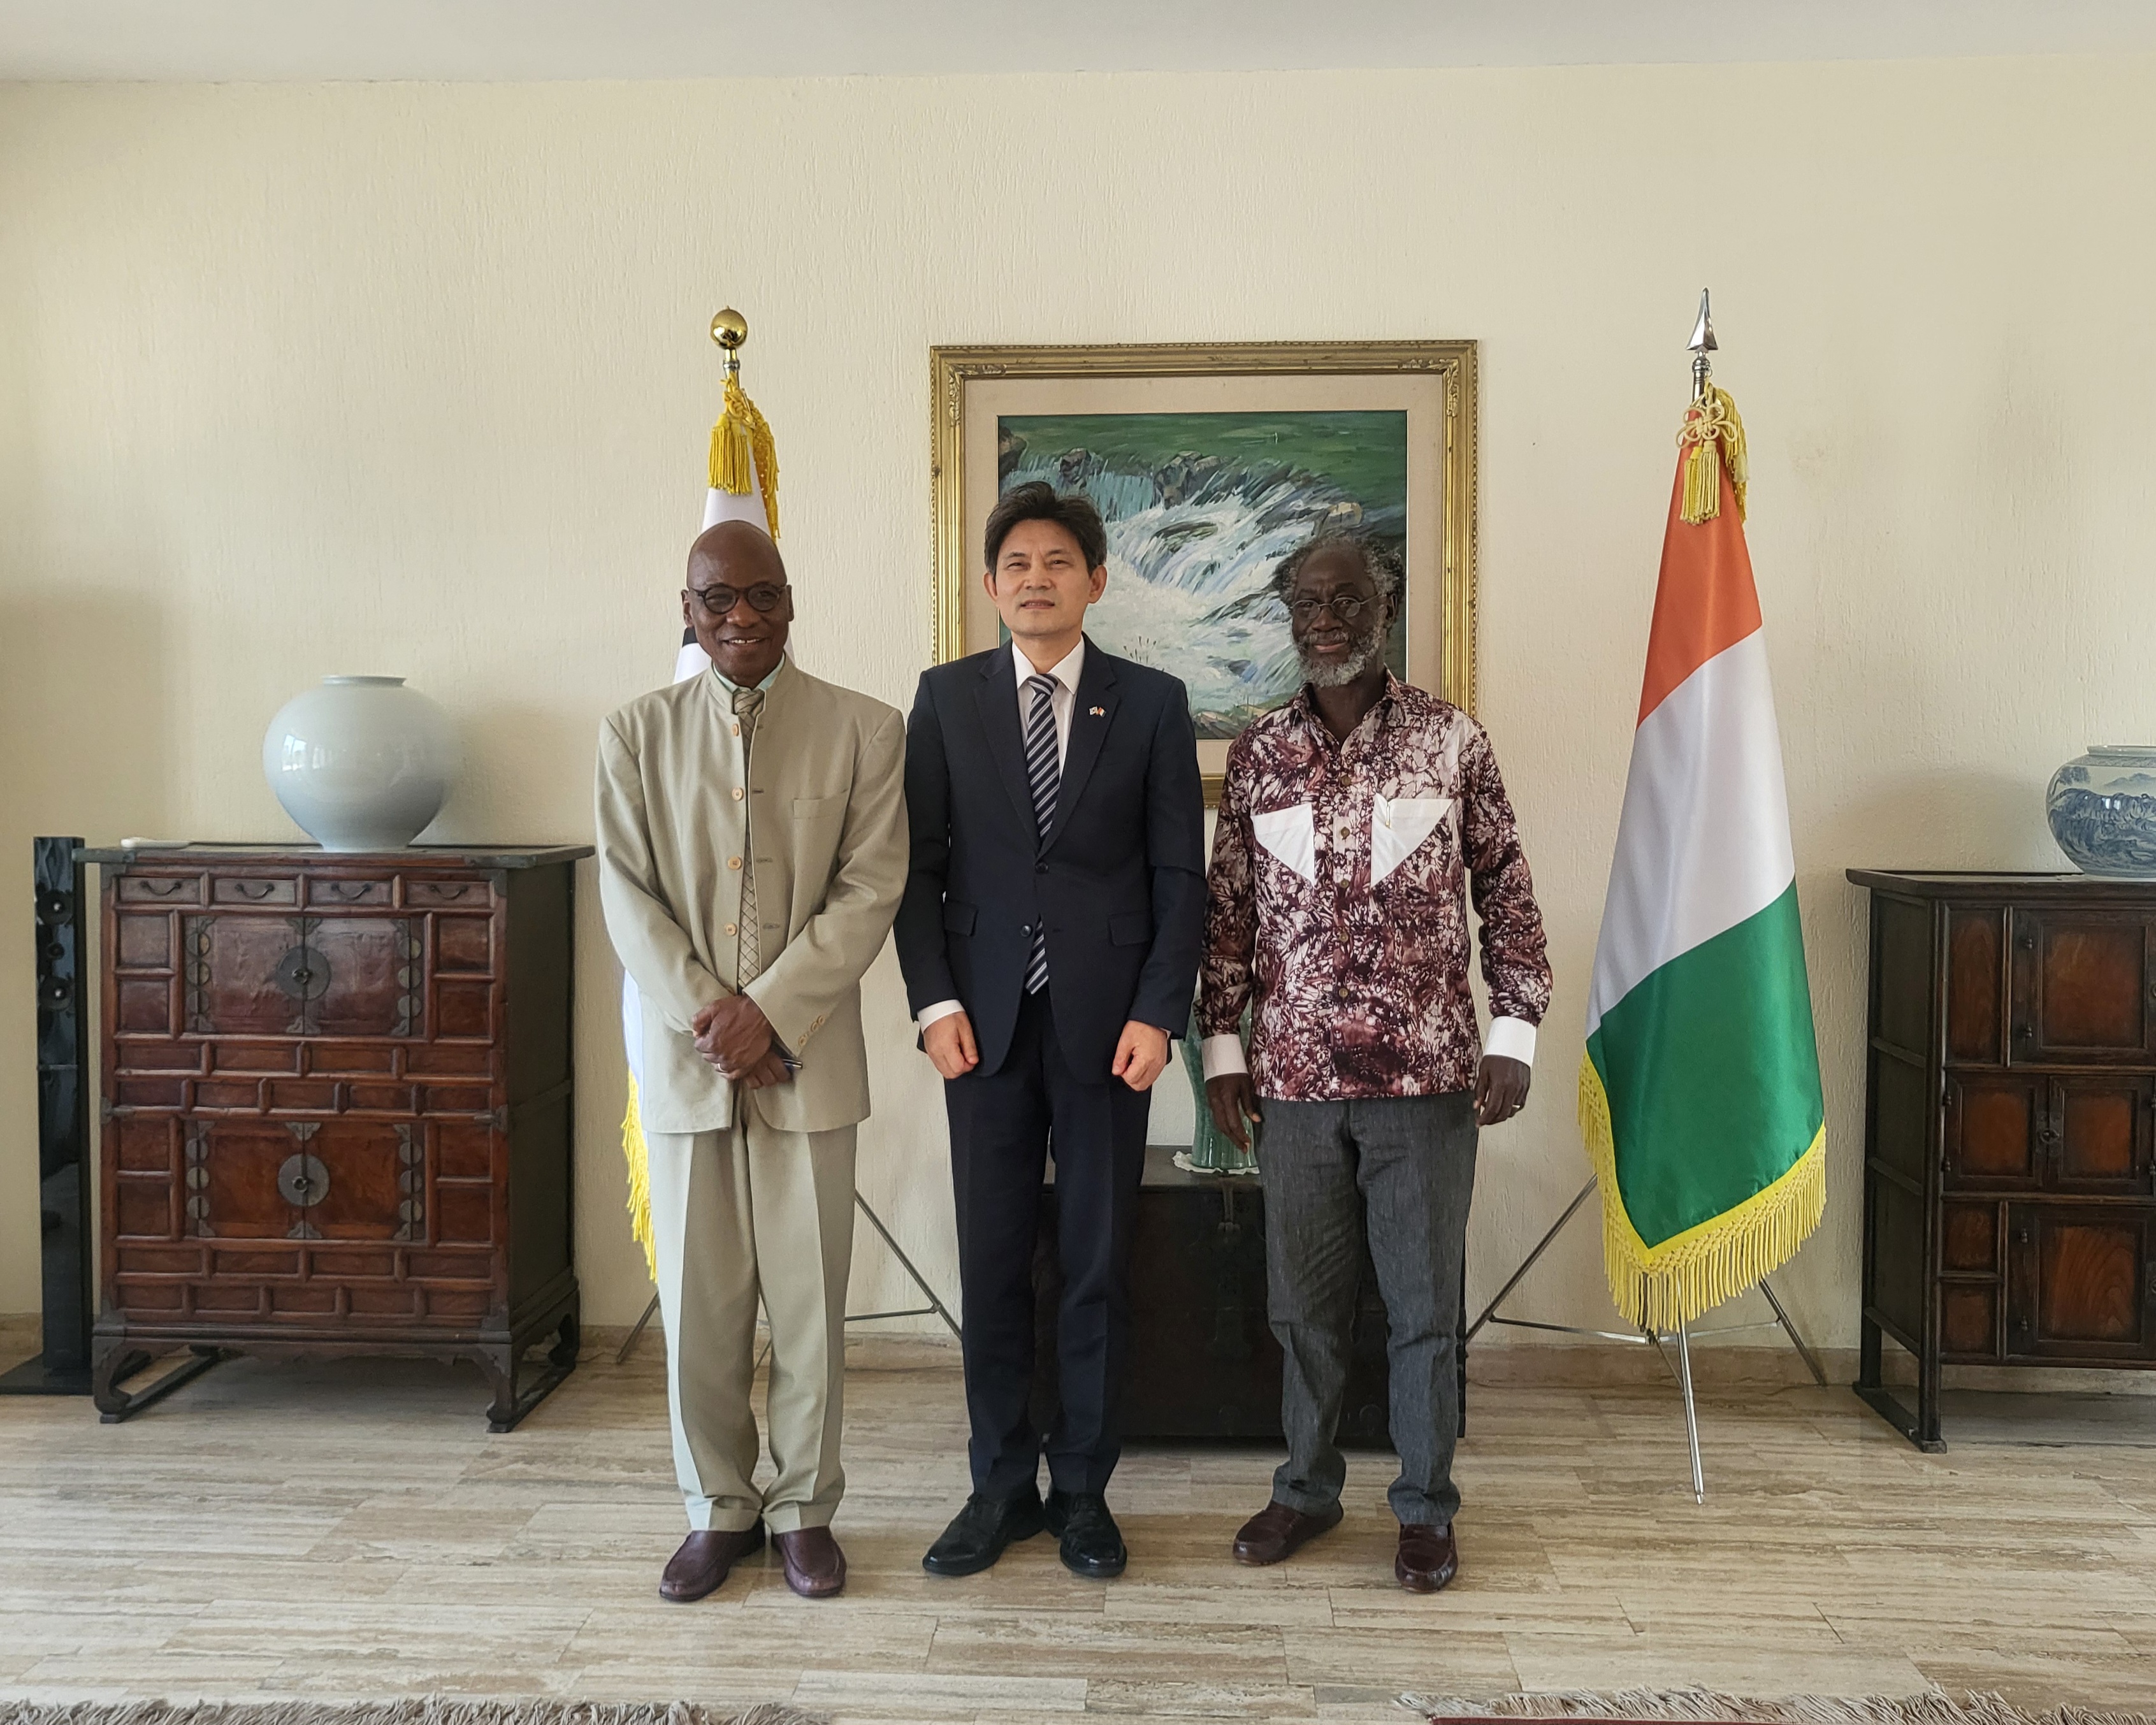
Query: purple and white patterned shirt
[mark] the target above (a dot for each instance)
(1337, 901)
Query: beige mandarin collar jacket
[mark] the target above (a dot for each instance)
(817, 788)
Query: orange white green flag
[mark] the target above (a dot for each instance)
(1699, 1094)
(743, 472)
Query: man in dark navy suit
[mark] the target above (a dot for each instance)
(1049, 936)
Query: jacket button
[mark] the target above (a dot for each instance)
(1040, 868)
(730, 929)
(733, 862)
(738, 793)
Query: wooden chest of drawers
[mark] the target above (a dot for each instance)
(337, 1111)
(2009, 1123)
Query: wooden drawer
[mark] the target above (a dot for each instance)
(255, 974)
(444, 893)
(254, 889)
(2081, 1281)
(339, 891)
(2081, 982)
(158, 889)
(278, 1180)
(2092, 1133)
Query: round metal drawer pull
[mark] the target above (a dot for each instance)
(303, 1180)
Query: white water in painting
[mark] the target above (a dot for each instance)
(1191, 557)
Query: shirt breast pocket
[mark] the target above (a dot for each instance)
(1411, 837)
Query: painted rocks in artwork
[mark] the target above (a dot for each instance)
(2102, 811)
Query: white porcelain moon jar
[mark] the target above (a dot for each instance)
(362, 763)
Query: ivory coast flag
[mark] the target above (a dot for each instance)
(744, 487)
(1699, 1096)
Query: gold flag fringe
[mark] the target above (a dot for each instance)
(742, 452)
(1711, 434)
(638, 1155)
(1656, 1287)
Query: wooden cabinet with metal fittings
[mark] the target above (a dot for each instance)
(2009, 1189)
(337, 1111)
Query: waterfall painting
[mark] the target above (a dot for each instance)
(1200, 508)
(1210, 462)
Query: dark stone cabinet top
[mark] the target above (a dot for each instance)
(1997, 886)
(417, 856)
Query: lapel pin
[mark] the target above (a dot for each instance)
(1097, 712)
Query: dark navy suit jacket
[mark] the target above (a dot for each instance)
(1119, 878)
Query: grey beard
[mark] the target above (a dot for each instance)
(1338, 677)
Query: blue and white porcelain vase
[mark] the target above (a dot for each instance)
(362, 763)
(2102, 810)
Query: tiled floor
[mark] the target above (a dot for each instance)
(354, 1530)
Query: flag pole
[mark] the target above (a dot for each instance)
(1701, 347)
(730, 330)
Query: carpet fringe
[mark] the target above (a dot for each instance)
(417, 1710)
(1933, 1707)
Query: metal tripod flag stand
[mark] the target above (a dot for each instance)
(1646, 1338)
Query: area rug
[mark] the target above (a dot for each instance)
(425, 1709)
(1702, 1707)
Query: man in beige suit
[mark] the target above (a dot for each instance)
(753, 850)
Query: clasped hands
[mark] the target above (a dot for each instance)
(735, 1036)
(1140, 1051)
(1500, 1090)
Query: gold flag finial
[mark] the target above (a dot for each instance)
(743, 456)
(730, 329)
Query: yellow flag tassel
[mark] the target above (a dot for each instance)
(1656, 1287)
(1712, 434)
(742, 452)
(639, 1154)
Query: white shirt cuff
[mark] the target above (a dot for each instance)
(1221, 1055)
(1512, 1038)
(942, 1010)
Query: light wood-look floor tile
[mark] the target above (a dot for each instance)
(353, 1531)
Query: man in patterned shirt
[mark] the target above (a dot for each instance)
(1354, 820)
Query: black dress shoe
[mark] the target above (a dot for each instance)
(978, 1533)
(1092, 1542)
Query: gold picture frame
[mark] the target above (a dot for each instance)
(1432, 383)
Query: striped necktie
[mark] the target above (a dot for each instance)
(1045, 774)
(748, 703)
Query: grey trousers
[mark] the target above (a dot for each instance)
(1405, 1165)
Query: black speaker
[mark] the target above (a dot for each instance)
(63, 1171)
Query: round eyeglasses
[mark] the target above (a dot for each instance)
(763, 596)
(1345, 606)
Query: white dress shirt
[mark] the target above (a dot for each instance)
(1063, 701)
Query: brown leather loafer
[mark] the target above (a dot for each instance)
(1427, 1559)
(815, 1567)
(703, 1561)
(1277, 1532)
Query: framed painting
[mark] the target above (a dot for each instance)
(1210, 463)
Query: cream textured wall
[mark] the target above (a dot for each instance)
(301, 380)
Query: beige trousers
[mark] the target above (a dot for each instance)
(746, 1211)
